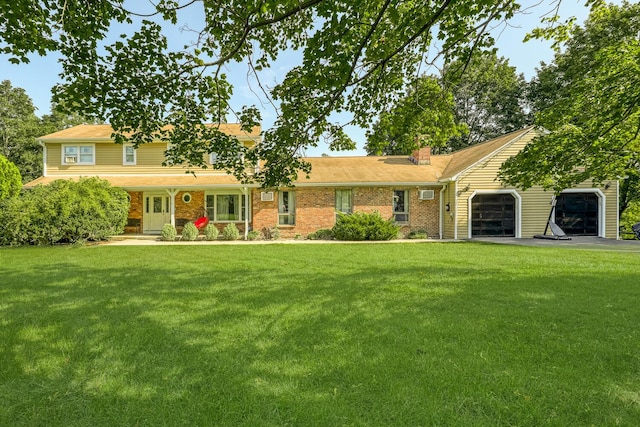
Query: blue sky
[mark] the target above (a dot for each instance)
(39, 76)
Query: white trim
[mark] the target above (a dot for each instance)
(617, 210)
(242, 197)
(124, 155)
(455, 211)
(602, 204)
(173, 192)
(518, 212)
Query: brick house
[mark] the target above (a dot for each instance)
(455, 195)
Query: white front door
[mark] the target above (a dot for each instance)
(156, 212)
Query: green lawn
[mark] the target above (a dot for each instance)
(461, 334)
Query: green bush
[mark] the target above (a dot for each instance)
(168, 233)
(322, 234)
(64, 211)
(189, 232)
(254, 235)
(418, 234)
(230, 232)
(364, 226)
(10, 179)
(630, 216)
(211, 232)
(271, 233)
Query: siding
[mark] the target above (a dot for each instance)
(535, 202)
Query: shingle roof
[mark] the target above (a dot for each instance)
(95, 132)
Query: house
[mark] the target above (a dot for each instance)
(454, 196)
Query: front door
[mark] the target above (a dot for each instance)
(156, 212)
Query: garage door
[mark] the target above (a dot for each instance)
(493, 215)
(577, 213)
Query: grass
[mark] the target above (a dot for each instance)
(319, 335)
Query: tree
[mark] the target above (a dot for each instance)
(588, 103)
(18, 128)
(10, 180)
(357, 57)
(489, 98)
(424, 116)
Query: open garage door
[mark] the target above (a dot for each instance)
(577, 213)
(493, 215)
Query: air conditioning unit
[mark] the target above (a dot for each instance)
(426, 194)
(266, 196)
(70, 159)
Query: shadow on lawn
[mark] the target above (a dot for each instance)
(383, 346)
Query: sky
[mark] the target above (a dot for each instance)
(41, 74)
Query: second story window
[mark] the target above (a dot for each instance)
(128, 155)
(78, 155)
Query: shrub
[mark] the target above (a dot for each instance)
(64, 212)
(271, 233)
(253, 235)
(364, 226)
(168, 233)
(230, 232)
(189, 232)
(418, 234)
(10, 179)
(322, 234)
(211, 232)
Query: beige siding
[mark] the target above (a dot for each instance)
(535, 202)
(448, 217)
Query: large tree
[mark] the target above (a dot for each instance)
(588, 103)
(358, 56)
(424, 116)
(490, 98)
(18, 128)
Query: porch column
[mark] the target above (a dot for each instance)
(173, 192)
(246, 214)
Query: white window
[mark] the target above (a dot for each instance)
(78, 155)
(226, 207)
(286, 208)
(213, 158)
(401, 206)
(344, 201)
(128, 155)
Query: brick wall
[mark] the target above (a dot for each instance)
(315, 209)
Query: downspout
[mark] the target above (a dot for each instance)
(246, 213)
(442, 211)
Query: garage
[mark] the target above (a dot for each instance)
(493, 215)
(577, 213)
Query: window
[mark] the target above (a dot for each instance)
(213, 158)
(78, 155)
(401, 205)
(286, 208)
(226, 207)
(344, 201)
(128, 155)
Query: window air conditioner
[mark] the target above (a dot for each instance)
(70, 159)
(426, 194)
(266, 196)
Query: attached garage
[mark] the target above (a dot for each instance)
(493, 215)
(577, 213)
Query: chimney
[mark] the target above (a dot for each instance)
(421, 156)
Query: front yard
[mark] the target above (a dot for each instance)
(319, 335)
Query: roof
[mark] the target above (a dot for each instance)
(463, 159)
(103, 132)
(155, 181)
(371, 170)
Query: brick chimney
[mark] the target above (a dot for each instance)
(421, 156)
